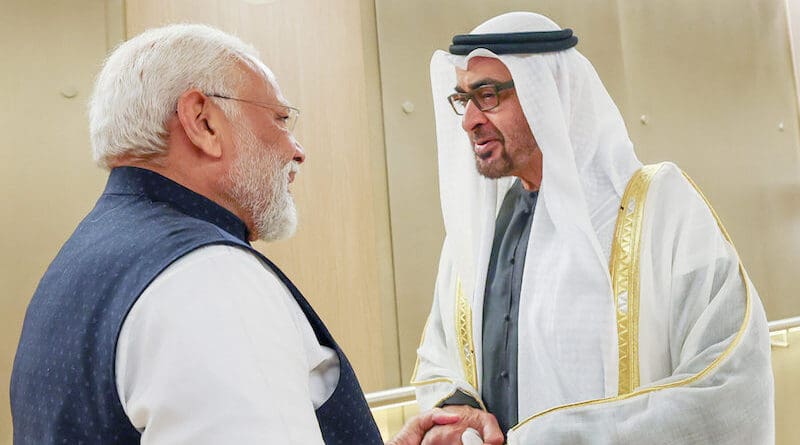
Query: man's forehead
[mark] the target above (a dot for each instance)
(481, 71)
(261, 82)
(271, 82)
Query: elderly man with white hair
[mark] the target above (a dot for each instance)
(157, 322)
(582, 298)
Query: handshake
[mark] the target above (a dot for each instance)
(454, 424)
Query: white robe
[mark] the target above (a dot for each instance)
(703, 351)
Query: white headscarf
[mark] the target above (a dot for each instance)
(588, 159)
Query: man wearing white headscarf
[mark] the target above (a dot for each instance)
(581, 297)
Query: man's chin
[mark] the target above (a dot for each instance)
(278, 227)
(491, 170)
(277, 235)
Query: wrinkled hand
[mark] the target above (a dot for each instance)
(415, 429)
(483, 422)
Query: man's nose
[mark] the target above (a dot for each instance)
(299, 152)
(473, 117)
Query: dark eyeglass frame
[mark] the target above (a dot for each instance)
(464, 98)
(292, 113)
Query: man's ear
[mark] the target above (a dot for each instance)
(202, 121)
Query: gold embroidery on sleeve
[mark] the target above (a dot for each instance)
(414, 381)
(466, 347)
(624, 268)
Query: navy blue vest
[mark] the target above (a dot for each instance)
(63, 386)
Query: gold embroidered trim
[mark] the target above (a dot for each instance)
(416, 362)
(624, 269)
(466, 347)
(468, 322)
(464, 333)
(689, 380)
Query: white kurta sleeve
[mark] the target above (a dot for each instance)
(439, 372)
(702, 322)
(211, 353)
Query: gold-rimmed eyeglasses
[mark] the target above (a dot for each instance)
(289, 115)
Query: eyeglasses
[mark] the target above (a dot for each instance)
(485, 97)
(289, 117)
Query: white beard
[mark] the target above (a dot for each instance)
(260, 184)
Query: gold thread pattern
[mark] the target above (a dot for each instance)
(468, 322)
(624, 269)
(416, 362)
(466, 347)
(689, 380)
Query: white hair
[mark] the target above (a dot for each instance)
(138, 88)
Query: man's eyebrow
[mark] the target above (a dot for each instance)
(479, 83)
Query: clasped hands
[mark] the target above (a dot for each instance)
(447, 426)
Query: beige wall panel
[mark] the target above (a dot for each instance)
(324, 57)
(47, 178)
(715, 82)
(408, 33)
